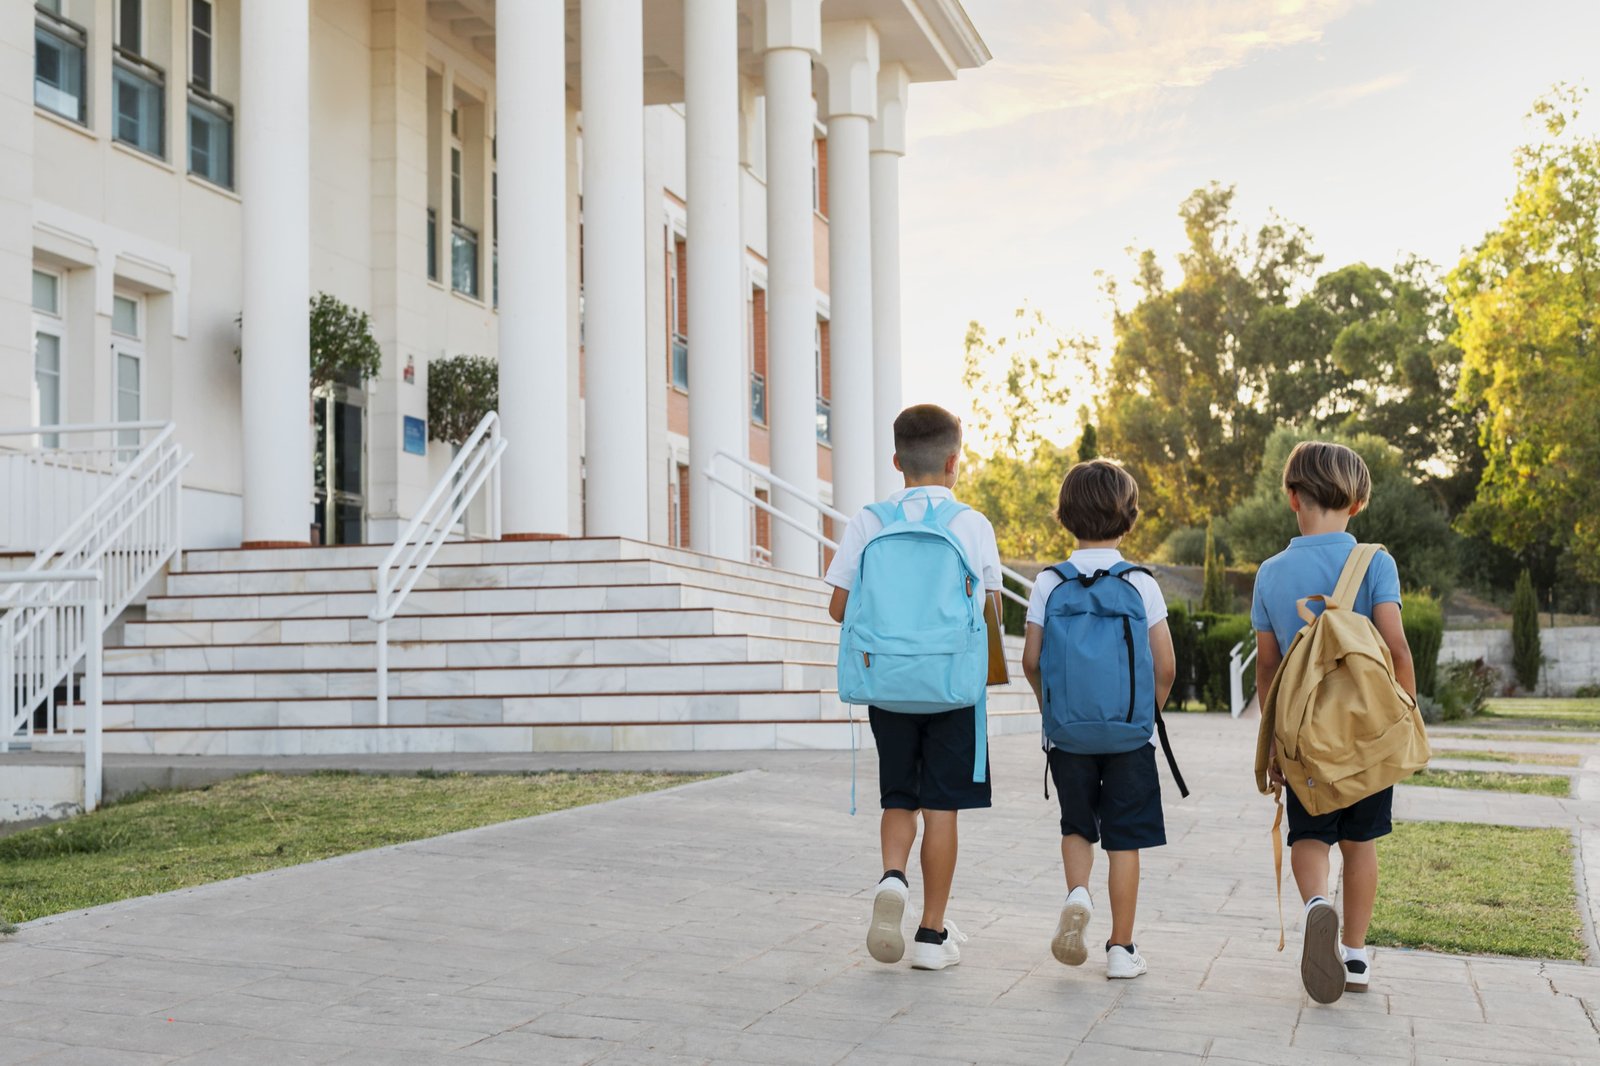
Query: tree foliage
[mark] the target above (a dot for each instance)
(342, 346)
(461, 390)
(1214, 594)
(1527, 298)
(1402, 515)
(1526, 653)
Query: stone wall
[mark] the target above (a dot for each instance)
(1572, 655)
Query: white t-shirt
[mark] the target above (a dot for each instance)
(1087, 561)
(969, 527)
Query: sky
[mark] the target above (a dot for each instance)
(1384, 126)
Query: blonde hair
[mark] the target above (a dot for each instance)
(1330, 475)
(1099, 500)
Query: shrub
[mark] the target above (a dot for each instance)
(461, 390)
(1216, 640)
(1185, 631)
(1186, 546)
(1424, 625)
(1464, 687)
(1588, 692)
(1526, 656)
(342, 345)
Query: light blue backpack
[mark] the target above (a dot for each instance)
(914, 638)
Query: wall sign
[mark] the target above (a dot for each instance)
(416, 436)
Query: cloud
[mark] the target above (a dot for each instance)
(1110, 54)
(1344, 95)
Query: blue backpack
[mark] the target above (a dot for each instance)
(1099, 676)
(914, 638)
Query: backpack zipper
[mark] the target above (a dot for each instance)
(1127, 638)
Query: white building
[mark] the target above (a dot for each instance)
(674, 223)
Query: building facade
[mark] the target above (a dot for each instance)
(674, 223)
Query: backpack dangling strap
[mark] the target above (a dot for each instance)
(1277, 856)
(980, 755)
(1047, 773)
(851, 711)
(1172, 762)
(1353, 574)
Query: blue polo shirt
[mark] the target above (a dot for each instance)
(1307, 567)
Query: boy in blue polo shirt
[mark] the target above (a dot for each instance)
(1327, 485)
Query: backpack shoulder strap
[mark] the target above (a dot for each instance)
(946, 510)
(885, 511)
(1354, 572)
(1124, 568)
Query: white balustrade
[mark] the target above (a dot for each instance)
(1238, 662)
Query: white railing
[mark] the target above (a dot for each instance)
(477, 464)
(127, 533)
(811, 500)
(71, 621)
(1238, 662)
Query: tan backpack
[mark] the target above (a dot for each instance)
(1345, 728)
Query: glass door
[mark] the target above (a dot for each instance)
(340, 463)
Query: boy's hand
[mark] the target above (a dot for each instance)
(1274, 771)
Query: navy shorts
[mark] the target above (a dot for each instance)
(1366, 819)
(1115, 799)
(925, 760)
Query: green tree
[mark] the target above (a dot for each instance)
(1402, 515)
(1526, 653)
(1527, 298)
(461, 390)
(1088, 440)
(342, 345)
(1181, 403)
(1214, 596)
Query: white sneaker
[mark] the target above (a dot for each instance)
(885, 941)
(1321, 962)
(1067, 945)
(1124, 962)
(925, 956)
(1357, 968)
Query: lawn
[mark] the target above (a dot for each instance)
(160, 841)
(1495, 781)
(1546, 714)
(1530, 758)
(1538, 738)
(1478, 890)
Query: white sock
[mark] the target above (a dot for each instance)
(1358, 954)
(1313, 902)
(1081, 895)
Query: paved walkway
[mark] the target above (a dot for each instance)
(723, 922)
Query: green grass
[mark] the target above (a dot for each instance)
(1495, 781)
(1546, 714)
(161, 841)
(1540, 738)
(1532, 758)
(1478, 890)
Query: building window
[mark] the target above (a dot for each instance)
(130, 26)
(758, 357)
(816, 175)
(127, 349)
(819, 341)
(59, 48)
(210, 116)
(494, 236)
(678, 312)
(433, 245)
(463, 239)
(138, 89)
(47, 353)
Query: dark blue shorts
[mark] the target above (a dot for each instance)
(1115, 799)
(1366, 819)
(925, 760)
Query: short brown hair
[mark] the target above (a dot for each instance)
(1099, 500)
(925, 437)
(1330, 475)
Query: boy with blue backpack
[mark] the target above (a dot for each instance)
(909, 581)
(1099, 656)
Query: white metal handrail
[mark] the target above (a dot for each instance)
(128, 533)
(477, 464)
(74, 616)
(1237, 663)
(812, 501)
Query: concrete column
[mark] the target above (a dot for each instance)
(275, 189)
(616, 452)
(850, 53)
(16, 216)
(793, 38)
(718, 385)
(531, 147)
(888, 144)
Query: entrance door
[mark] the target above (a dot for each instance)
(340, 462)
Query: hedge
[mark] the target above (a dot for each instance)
(1201, 642)
(1423, 620)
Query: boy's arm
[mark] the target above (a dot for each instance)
(836, 605)
(1166, 660)
(1386, 616)
(1268, 659)
(1032, 643)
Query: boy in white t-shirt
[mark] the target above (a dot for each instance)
(1113, 798)
(925, 761)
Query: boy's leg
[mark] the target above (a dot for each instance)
(1309, 859)
(939, 845)
(898, 739)
(897, 832)
(1077, 860)
(1322, 970)
(1124, 886)
(1360, 888)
